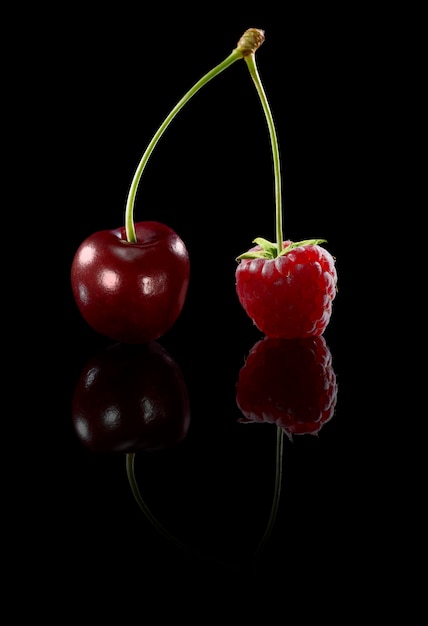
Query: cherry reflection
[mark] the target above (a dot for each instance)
(290, 383)
(130, 398)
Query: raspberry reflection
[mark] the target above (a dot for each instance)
(290, 383)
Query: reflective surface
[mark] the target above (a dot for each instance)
(219, 453)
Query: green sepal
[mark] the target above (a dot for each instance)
(269, 250)
(305, 242)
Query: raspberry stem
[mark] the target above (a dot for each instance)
(250, 60)
(250, 41)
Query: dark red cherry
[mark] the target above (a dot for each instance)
(131, 292)
(130, 398)
(288, 382)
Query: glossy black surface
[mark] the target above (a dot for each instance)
(207, 501)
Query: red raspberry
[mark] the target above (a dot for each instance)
(290, 383)
(291, 294)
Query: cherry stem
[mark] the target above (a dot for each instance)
(129, 219)
(252, 66)
(250, 41)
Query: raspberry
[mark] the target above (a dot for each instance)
(290, 383)
(289, 295)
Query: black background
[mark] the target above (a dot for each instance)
(101, 86)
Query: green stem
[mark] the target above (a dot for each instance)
(252, 66)
(236, 54)
(277, 491)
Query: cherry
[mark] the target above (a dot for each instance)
(130, 398)
(130, 283)
(131, 292)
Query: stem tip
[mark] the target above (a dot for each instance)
(251, 40)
